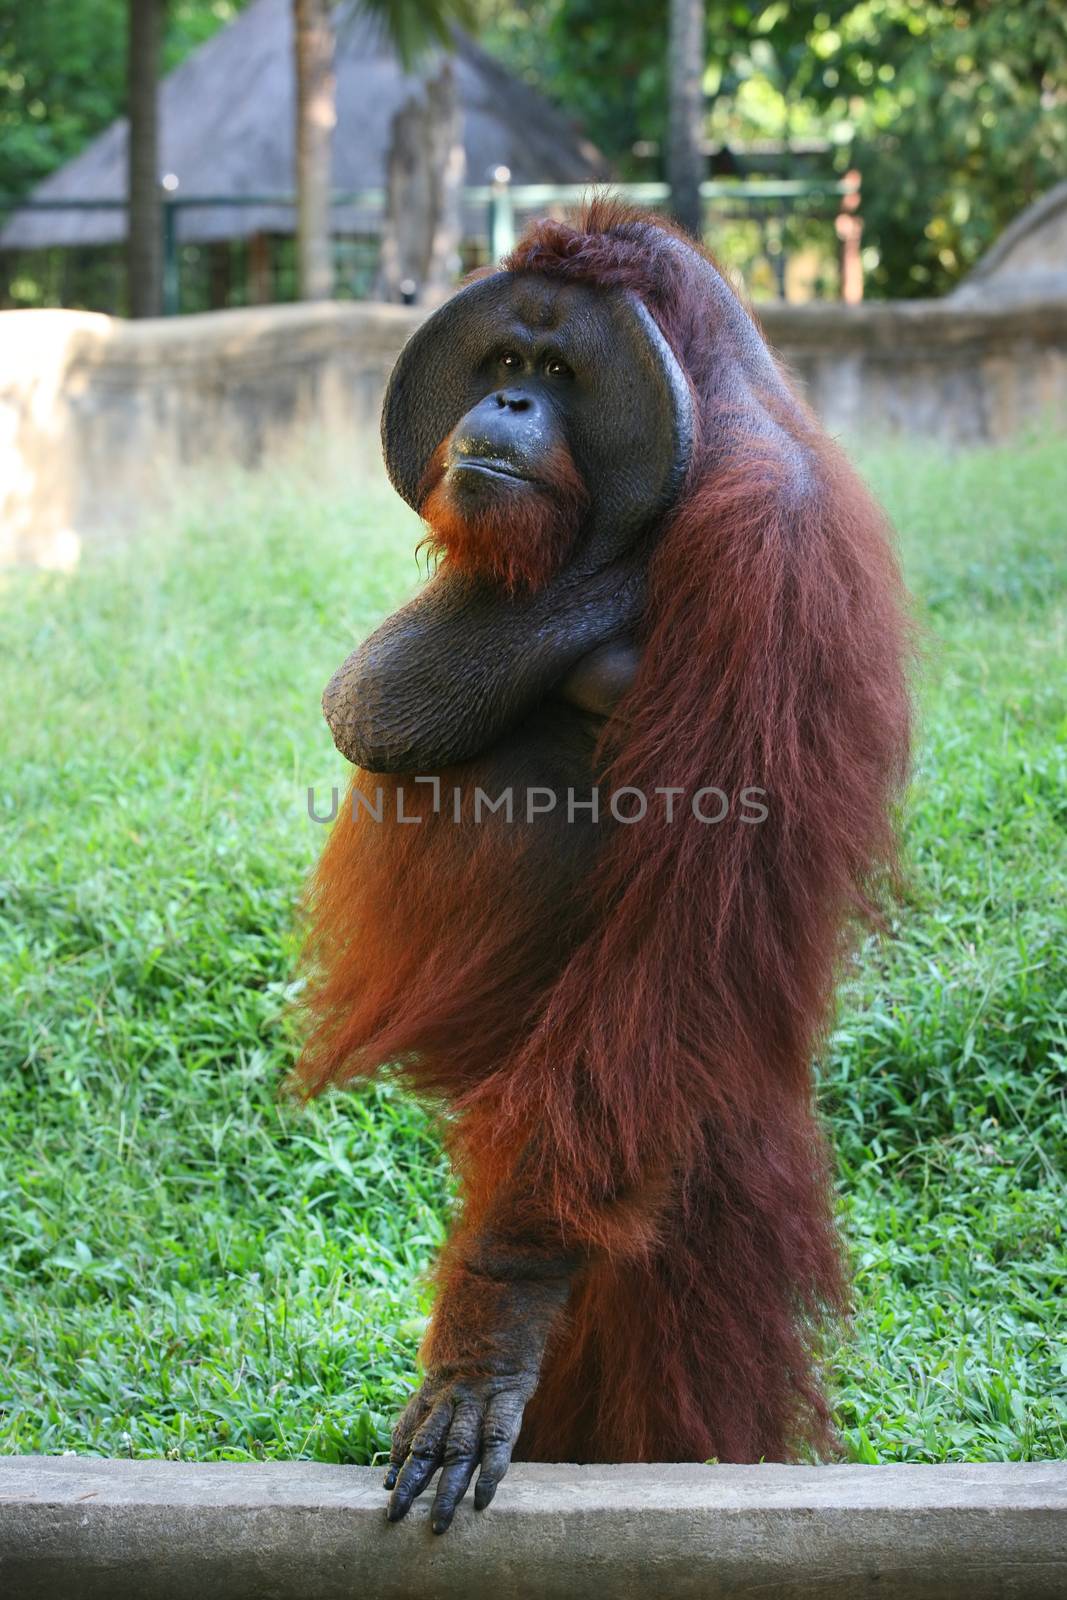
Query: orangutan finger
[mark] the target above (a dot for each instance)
(422, 1462)
(500, 1430)
(412, 1416)
(460, 1458)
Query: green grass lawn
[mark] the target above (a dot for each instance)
(189, 1266)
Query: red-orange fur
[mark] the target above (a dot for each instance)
(522, 537)
(627, 1058)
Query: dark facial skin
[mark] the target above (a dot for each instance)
(507, 371)
(509, 433)
(525, 361)
(508, 381)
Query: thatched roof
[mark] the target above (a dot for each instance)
(227, 130)
(1029, 260)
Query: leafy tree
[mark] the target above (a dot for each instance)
(606, 61)
(63, 74)
(62, 79)
(955, 111)
(958, 119)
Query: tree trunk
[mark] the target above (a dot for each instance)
(425, 167)
(685, 135)
(144, 215)
(316, 114)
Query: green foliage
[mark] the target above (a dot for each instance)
(603, 60)
(414, 26)
(63, 74)
(958, 113)
(63, 65)
(606, 61)
(955, 111)
(191, 1265)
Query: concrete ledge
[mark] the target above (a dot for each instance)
(76, 1526)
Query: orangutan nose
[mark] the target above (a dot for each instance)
(511, 400)
(509, 429)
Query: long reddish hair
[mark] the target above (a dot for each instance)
(542, 522)
(632, 1064)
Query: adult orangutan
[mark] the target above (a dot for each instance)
(658, 580)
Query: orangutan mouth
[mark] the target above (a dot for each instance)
(491, 467)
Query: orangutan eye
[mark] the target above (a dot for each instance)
(555, 368)
(511, 361)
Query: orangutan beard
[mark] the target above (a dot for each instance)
(517, 532)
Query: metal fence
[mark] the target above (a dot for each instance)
(772, 207)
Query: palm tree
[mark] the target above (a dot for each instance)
(144, 208)
(411, 26)
(685, 134)
(315, 117)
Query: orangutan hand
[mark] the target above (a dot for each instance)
(601, 678)
(457, 1424)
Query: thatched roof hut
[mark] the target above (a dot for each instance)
(1029, 260)
(227, 132)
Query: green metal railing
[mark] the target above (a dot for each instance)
(500, 198)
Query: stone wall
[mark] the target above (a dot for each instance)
(99, 418)
(956, 373)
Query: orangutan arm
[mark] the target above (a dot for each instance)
(503, 1286)
(499, 1299)
(448, 674)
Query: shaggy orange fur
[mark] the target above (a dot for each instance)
(626, 1054)
(520, 543)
